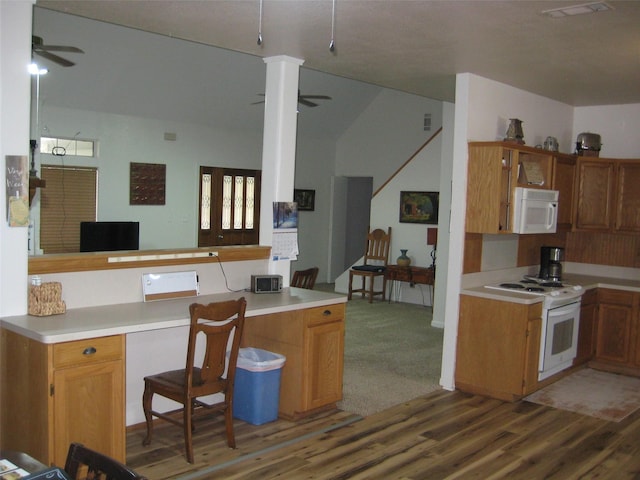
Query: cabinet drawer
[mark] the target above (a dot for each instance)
(328, 314)
(617, 297)
(92, 350)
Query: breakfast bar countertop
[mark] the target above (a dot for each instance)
(118, 319)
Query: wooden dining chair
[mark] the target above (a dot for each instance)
(305, 278)
(84, 463)
(376, 257)
(221, 324)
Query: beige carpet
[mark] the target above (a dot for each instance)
(590, 392)
(392, 355)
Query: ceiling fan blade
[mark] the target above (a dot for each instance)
(55, 58)
(58, 48)
(306, 102)
(320, 97)
(257, 103)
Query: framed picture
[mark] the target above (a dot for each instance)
(147, 183)
(306, 199)
(419, 207)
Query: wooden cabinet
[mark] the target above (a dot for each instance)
(588, 327)
(55, 394)
(594, 194)
(563, 180)
(312, 340)
(618, 328)
(498, 347)
(627, 207)
(608, 198)
(494, 171)
(324, 342)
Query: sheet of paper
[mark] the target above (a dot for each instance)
(285, 244)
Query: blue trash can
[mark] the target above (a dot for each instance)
(257, 387)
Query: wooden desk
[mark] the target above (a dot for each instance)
(412, 275)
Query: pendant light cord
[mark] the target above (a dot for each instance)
(260, 25)
(332, 44)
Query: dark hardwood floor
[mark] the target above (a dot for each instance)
(443, 435)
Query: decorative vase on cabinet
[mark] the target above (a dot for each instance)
(403, 260)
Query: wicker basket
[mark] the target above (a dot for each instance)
(46, 299)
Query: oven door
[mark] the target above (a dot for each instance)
(559, 343)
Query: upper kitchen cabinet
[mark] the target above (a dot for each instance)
(563, 180)
(608, 198)
(595, 194)
(628, 196)
(495, 169)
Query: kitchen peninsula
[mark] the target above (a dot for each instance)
(500, 332)
(64, 375)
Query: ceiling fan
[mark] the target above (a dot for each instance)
(39, 48)
(303, 99)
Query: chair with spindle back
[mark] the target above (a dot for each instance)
(376, 257)
(305, 278)
(221, 323)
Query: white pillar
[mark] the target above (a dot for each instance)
(278, 146)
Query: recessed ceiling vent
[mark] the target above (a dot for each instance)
(581, 9)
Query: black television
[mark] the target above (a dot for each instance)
(109, 236)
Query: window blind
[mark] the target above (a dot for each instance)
(68, 199)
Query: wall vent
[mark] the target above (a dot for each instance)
(170, 136)
(427, 122)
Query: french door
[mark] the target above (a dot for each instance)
(229, 207)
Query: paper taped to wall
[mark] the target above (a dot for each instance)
(162, 286)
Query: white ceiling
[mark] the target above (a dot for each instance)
(413, 46)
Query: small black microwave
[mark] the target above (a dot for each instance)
(266, 283)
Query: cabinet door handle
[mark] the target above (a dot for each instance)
(326, 313)
(89, 351)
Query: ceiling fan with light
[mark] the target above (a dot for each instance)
(303, 99)
(38, 47)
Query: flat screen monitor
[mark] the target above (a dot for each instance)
(109, 236)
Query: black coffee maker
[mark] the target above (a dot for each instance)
(550, 263)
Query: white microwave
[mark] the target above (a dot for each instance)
(535, 210)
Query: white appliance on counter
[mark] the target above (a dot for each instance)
(535, 210)
(560, 321)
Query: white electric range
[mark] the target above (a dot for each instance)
(560, 320)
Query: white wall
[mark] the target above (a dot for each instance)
(315, 159)
(483, 109)
(387, 134)
(492, 104)
(107, 287)
(617, 126)
(124, 139)
(15, 84)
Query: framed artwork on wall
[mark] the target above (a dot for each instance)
(147, 183)
(419, 207)
(306, 199)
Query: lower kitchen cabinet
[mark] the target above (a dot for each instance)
(588, 327)
(498, 347)
(312, 340)
(618, 330)
(55, 394)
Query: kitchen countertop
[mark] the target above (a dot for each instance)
(91, 322)
(587, 281)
